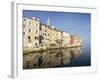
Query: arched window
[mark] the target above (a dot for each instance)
(29, 38)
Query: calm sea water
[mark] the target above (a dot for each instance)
(69, 57)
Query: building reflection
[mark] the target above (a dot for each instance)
(50, 58)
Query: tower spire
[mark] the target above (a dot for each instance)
(48, 22)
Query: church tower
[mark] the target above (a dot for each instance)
(48, 22)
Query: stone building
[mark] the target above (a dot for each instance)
(65, 39)
(75, 41)
(31, 32)
(37, 34)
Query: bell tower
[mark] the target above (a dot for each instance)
(48, 22)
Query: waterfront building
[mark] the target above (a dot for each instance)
(31, 32)
(75, 40)
(52, 38)
(65, 39)
(45, 33)
(37, 34)
(58, 38)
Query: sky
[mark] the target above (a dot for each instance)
(75, 23)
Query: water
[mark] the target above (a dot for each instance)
(69, 57)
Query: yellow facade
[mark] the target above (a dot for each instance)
(65, 39)
(30, 32)
(58, 38)
(52, 37)
(36, 35)
(76, 41)
(45, 33)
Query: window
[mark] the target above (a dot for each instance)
(23, 33)
(43, 34)
(45, 30)
(29, 38)
(24, 19)
(40, 28)
(24, 26)
(29, 23)
(36, 44)
(36, 38)
(36, 31)
(29, 30)
(36, 24)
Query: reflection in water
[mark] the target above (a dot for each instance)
(50, 58)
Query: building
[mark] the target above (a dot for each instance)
(52, 38)
(75, 41)
(37, 34)
(65, 39)
(58, 38)
(31, 32)
(45, 33)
